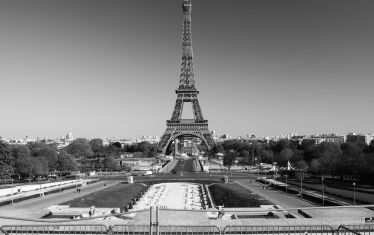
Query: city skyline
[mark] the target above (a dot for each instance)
(110, 68)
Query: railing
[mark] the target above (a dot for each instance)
(154, 228)
(98, 229)
(130, 229)
(290, 230)
(164, 230)
(342, 230)
(55, 229)
(351, 229)
(2, 232)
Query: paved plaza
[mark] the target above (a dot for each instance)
(182, 204)
(188, 196)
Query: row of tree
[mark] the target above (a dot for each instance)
(36, 158)
(352, 160)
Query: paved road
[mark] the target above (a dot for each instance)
(35, 208)
(184, 166)
(341, 194)
(276, 197)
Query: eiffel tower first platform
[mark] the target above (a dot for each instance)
(186, 92)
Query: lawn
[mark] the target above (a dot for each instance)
(117, 196)
(233, 195)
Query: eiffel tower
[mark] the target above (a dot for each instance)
(186, 92)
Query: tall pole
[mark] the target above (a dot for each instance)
(323, 193)
(150, 220)
(286, 183)
(301, 186)
(12, 191)
(354, 193)
(266, 179)
(40, 187)
(157, 211)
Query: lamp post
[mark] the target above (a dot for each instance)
(12, 191)
(266, 184)
(40, 186)
(301, 185)
(323, 193)
(354, 193)
(286, 176)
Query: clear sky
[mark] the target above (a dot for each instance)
(105, 68)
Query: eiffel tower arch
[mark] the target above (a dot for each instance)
(177, 127)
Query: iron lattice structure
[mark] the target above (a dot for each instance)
(186, 92)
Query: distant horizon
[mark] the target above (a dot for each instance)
(219, 134)
(110, 68)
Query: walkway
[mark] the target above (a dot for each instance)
(35, 208)
(278, 198)
(182, 195)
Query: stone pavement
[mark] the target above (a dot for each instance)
(281, 199)
(333, 216)
(37, 207)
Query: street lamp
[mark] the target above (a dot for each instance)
(40, 186)
(12, 191)
(286, 176)
(323, 193)
(301, 186)
(266, 184)
(354, 193)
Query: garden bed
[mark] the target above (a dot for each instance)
(233, 195)
(117, 196)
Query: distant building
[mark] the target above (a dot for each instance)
(69, 136)
(359, 138)
(317, 139)
(297, 138)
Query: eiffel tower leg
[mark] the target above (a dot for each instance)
(209, 139)
(163, 144)
(178, 108)
(197, 110)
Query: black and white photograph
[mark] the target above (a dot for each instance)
(187, 117)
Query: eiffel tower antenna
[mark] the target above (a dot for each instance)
(186, 92)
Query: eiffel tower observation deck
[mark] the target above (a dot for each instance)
(177, 127)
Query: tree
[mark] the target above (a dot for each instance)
(370, 147)
(24, 165)
(282, 144)
(284, 156)
(218, 148)
(315, 167)
(310, 150)
(6, 161)
(110, 163)
(266, 155)
(66, 162)
(229, 158)
(49, 154)
(244, 154)
(80, 148)
(329, 156)
(125, 167)
(39, 166)
(352, 160)
(96, 145)
(19, 151)
(301, 165)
